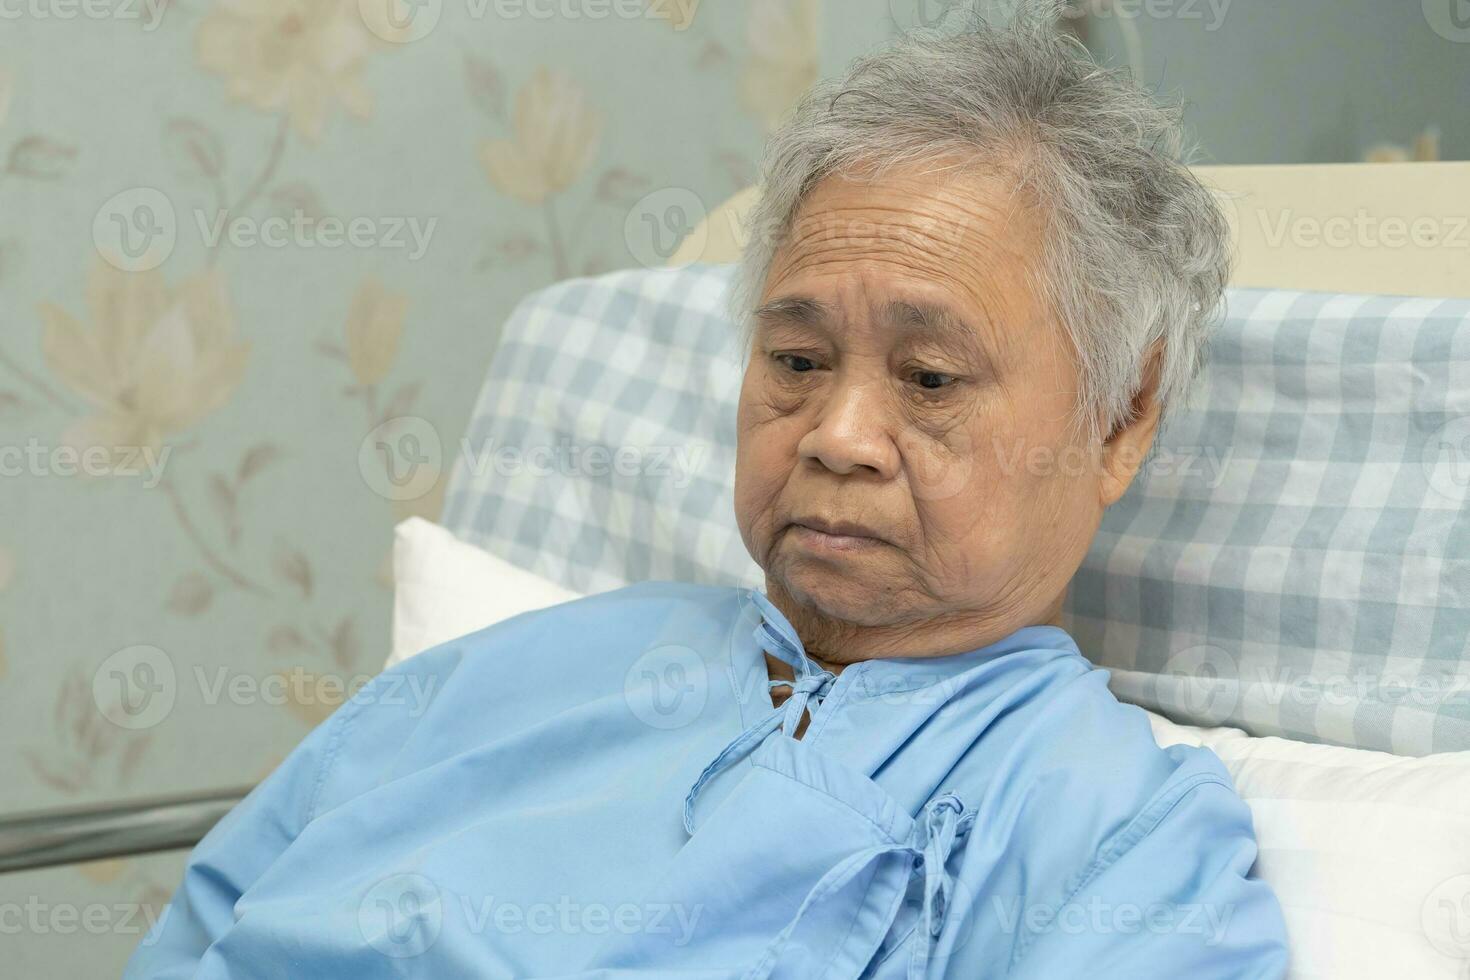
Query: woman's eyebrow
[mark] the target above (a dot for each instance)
(920, 318)
(801, 310)
(939, 323)
(930, 318)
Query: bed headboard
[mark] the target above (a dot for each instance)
(1398, 228)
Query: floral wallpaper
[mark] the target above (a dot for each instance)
(243, 241)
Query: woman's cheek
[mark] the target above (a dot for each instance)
(938, 470)
(757, 492)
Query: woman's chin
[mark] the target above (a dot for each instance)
(841, 591)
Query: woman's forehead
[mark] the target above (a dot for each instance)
(936, 228)
(947, 258)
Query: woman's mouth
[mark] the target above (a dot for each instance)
(817, 534)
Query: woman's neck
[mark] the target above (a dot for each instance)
(833, 644)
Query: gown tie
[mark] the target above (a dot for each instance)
(804, 689)
(941, 824)
(811, 684)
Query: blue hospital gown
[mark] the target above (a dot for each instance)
(605, 789)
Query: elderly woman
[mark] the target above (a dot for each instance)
(980, 278)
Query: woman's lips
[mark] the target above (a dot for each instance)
(829, 536)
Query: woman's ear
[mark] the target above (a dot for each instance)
(1125, 448)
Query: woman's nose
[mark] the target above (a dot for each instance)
(852, 433)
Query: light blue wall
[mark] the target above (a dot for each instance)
(1265, 81)
(1304, 81)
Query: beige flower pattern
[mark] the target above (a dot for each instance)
(303, 58)
(152, 362)
(783, 36)
(556, 138)
(374, 327)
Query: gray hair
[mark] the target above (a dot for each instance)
(1136, 252)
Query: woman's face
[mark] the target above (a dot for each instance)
(906, 473)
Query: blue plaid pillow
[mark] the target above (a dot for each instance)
(1294, 558)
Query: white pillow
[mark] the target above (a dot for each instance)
(444, 588)
(1369, 853)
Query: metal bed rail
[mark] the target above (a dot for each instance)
(69, 835)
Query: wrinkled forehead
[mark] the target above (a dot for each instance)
(943, 251)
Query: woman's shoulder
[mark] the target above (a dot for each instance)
(1083, 726)
(580, 645)
(515, 675)
(1080, 750)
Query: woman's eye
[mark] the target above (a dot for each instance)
(933, 380)
(797, 363)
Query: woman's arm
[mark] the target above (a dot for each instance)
(243, 846)
(1169, 896)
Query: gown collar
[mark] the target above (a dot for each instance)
(943, 822)
(775, 635)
